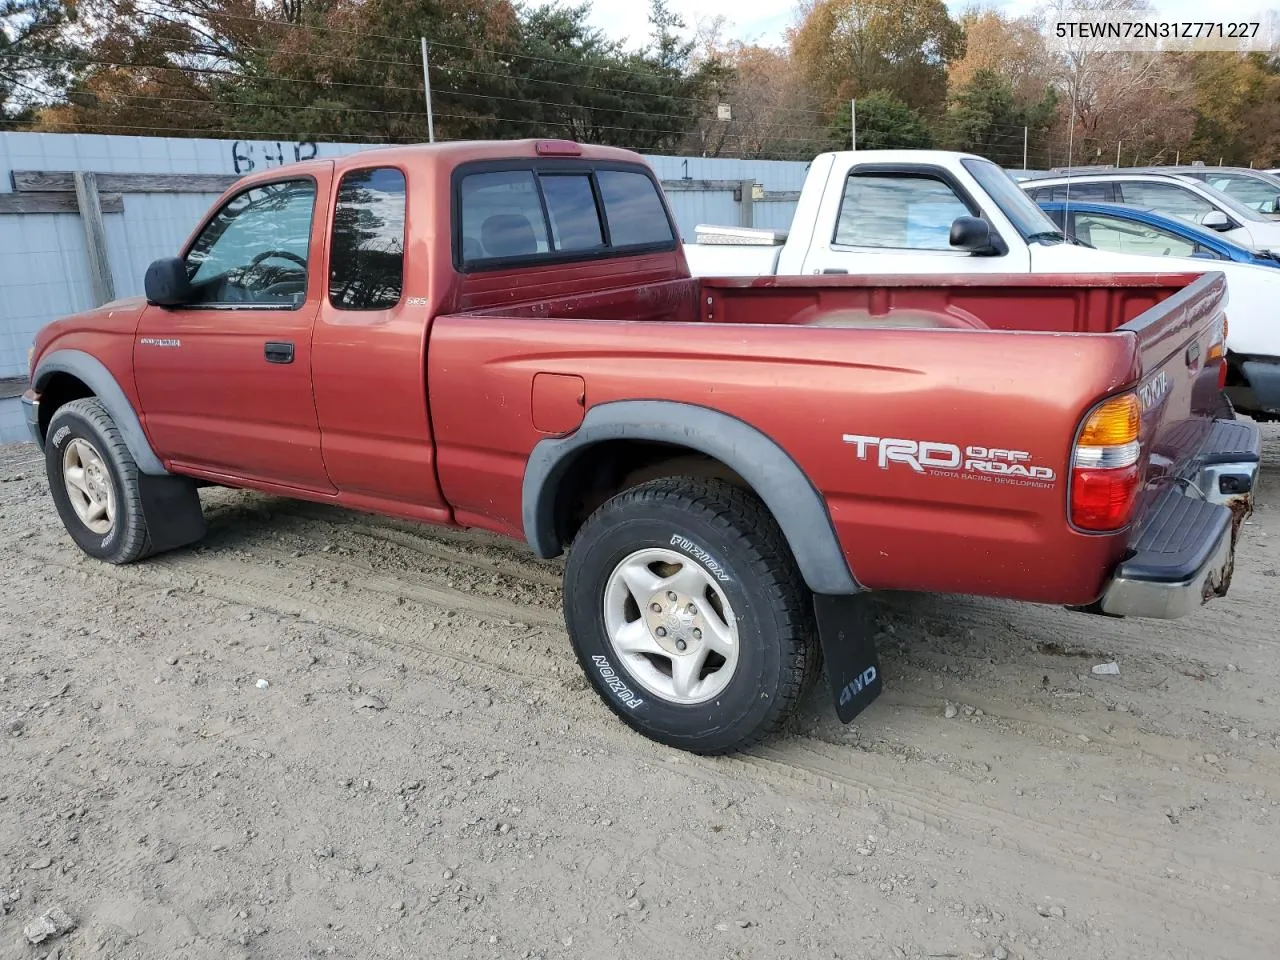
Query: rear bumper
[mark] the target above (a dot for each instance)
(1183, 555)
(31, 412)
(1227, 466)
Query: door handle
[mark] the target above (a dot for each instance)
(278, 352)
(833, 270)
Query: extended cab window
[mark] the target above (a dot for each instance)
(255, 249)
(898, 211)
(559, 213)
(366, 262)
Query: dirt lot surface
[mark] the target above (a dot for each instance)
(425, 773)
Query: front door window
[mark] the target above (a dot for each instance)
(255, 250)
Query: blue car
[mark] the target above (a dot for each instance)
(1120, 228)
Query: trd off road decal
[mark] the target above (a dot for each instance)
(972, 462)
(616, 683)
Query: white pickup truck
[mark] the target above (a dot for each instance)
(928, 212)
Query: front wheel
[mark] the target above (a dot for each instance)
(93, 480)
(689, 616)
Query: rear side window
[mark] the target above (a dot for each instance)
(366, 262)
(559, 214)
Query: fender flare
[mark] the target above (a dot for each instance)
(94, 374)
(786, 491)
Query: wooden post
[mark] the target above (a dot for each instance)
(104, 290)
(746, 217)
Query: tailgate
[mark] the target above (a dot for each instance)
(1180, 356)
(1198, 462)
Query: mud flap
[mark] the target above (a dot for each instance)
(171, 506)
(847, 630)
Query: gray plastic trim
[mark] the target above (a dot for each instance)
(98, 378)
(794, 502)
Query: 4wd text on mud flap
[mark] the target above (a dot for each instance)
(973, 461)
(857, 685)
(616, 683)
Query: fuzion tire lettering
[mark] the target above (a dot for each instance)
(616, 683)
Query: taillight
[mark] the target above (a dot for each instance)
(1105, 473)
(1218, 351)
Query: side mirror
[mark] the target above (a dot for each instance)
(166, 283)
(972, 234)
(1216, 220)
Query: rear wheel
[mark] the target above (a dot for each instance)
(93, 480)
(689, 616)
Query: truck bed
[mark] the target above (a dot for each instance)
(1007, 380)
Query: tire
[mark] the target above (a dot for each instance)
(693, 533)
(79, 432)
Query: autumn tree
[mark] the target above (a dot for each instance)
(1142, 101)
(352, 70)
(884, 122)
(1013, 47)
(770, 114)
(154, 67)
(1237, 99)
(847, 48)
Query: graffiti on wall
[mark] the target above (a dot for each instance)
(250, 155)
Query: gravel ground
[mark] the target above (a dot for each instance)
(424, 772)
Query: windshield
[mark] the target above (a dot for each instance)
(1232, 203)
(1027, 218)
(1254, 192)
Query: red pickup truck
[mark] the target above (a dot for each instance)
(505, 336)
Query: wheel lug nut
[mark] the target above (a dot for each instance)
(697, 634)
(692, 608)
(661, 631)
(655, 607)
(680, 644)
(671, 596)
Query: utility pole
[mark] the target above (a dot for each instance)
(1024, 148)
(853, 123)
(426, 84)
(1118, 142)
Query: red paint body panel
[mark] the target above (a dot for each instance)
(806, 389)
(430, 409)
(214, 402)
(369, 371)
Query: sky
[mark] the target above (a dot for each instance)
(767, 21)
